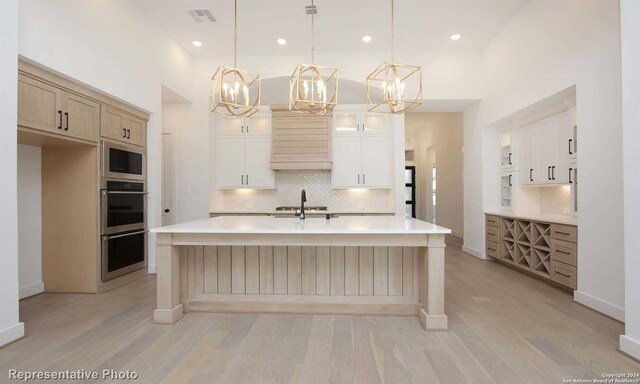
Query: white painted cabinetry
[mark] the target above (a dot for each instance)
(349, 121)
(244, 163)
(546, 150)
(362, 161)
(257, 125)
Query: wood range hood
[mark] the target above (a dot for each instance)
(300, 141)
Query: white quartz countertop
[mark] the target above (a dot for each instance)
(274, 212)
(275, 225)
(558, 219)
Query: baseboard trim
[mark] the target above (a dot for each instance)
(31, 290)
(457, 234)
(152, 269)
(630, 347)
(598, 305)
(11, 334)
(473, 252)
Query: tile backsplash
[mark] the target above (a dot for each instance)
(317, 185)
(555, 200)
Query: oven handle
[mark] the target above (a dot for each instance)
(124, 193)
(124, 235)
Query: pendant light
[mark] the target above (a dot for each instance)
(313, 88)
(393, 87)
(235, 92)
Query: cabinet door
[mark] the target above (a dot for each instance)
(573, 135)
(346, 122)
(545, 137)
(374, 122)
(39, 105)
(506, 191)
(81, 117)
(136, 133)
(230, 158)
(506, 154)
(376, 161)
(528, 164)
(257, 161)
(564, 131)
(230, 126)
(346, 162)
(113, 124)
(258, 124)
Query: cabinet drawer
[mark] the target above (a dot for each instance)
(492, 249)
(564, 251)
(564, 232)
(492, 221)
(564, 274)
(493, 234)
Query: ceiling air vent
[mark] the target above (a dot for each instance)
(312, 10)
(202, 16)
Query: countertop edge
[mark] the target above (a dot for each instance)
(555, 219)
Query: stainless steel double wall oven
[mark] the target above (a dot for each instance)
(123, 209)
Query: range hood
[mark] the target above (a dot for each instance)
(300, 141)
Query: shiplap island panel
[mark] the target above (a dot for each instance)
(349, 265)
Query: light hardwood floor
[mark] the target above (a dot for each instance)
(505, 327)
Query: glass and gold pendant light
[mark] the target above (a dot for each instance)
(235, 92)
(393, 87)
(313, 88)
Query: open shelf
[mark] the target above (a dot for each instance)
(507, 228)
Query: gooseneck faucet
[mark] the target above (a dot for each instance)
(303, 199)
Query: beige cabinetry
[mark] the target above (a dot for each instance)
(544, 249)
(123, 127)
(48, 108)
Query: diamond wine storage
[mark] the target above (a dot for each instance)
(547, 250)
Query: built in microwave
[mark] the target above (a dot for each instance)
(125, 162)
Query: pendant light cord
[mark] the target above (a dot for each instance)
(392, 35)
(312, 36)
(235, 35)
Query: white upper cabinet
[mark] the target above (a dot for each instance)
(257, 125)
(507, 151)
(362, 162)
(573, 136)
(546, 150)
(350, 121)
(244, 163)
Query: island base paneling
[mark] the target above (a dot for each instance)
(217, 273)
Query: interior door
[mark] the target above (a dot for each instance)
(39, 105)
(230, 156)
(376, 161)
(81, 117)
(167, 179)
(257, 161)
(347, 162)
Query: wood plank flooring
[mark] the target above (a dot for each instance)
(505, 327)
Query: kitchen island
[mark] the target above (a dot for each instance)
(380, 265)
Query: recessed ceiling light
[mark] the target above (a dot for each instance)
(367, 38)
(196, 43)
(455, 36)
(282, 41)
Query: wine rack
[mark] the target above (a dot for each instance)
(533, 246)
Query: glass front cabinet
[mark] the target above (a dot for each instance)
(507, 190)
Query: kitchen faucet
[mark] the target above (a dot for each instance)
(303, 199)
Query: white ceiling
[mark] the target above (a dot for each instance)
(421, 25)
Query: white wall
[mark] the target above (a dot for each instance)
(115, 50)
(10, 327)
(629, 15)
(548, 47)
(443, 132)
(30, 220)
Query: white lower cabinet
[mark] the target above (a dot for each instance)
(362, 162)
(244, 163)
